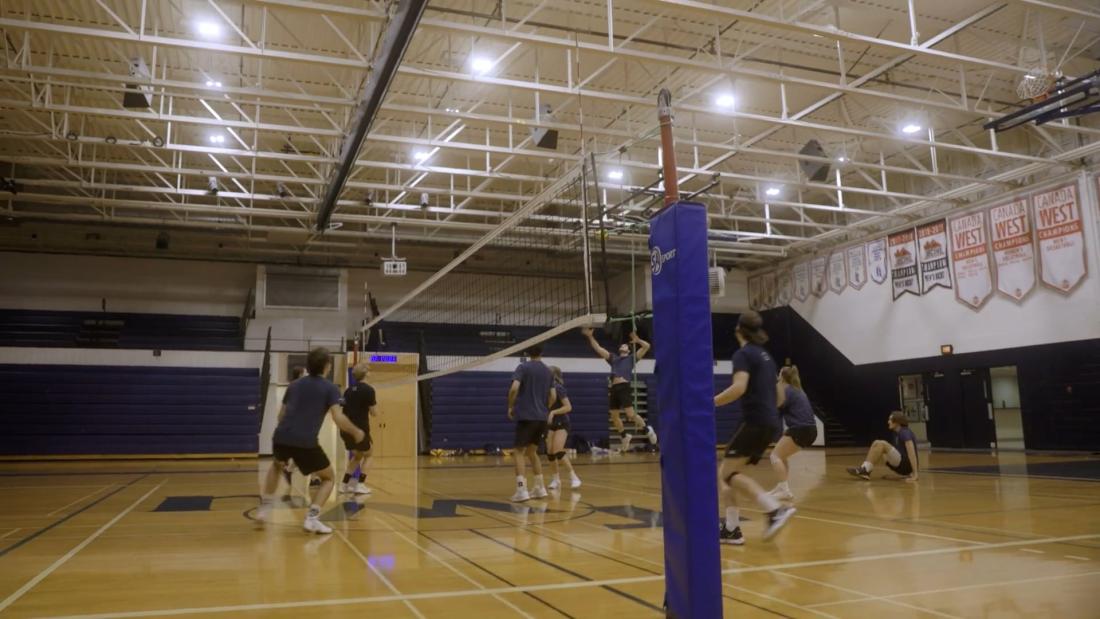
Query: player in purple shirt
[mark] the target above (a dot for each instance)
(901, 456)
(558, 432)
(798, 415)
(620, 397)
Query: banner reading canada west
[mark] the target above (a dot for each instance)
(838, 272)
(876, 255)
(769, 290)
(970, 260)
(1061, 238)
(932, 247)
(755, 293)
(903, 263)
(817, 276)
(857, 266)
(1012, 249)
(783, 293)
(802, 281)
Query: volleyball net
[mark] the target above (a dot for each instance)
(527, 280)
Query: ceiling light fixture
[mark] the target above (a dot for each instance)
(615, 175)
(217, 139)
(208, 29)
(911, 128)
(481, 65)
(725, 100)
(772, 191)
(421, 155)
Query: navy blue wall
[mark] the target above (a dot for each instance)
(75, 409)
(57, 329)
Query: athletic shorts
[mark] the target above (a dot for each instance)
(529, 432)
(560, 422)
(351, 445)
(620, 396)
(803, 436)
(307, 459)
(750, 441)
(897, 464)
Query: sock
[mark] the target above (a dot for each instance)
(556, 476)
(538, 481)
(733, 520)
(783, 486)
(362, 478)
(867, 466)
(314, 511)
(347, 477)
(768, 502)
(520, 481)
(267, 500)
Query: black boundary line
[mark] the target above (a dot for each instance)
(1014, 475)
(490, 572)
(30, 537)
(569, 571)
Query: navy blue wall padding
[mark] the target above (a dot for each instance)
(62, 329)
(470, 409)
(685, 392)
(122, 410)
(460, 339)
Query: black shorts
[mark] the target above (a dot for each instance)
(803, 436)
(529, 432)
(307, 459)
(560, 422)
(905, 468)
(620, 396)
(351, 445)
(750, 441)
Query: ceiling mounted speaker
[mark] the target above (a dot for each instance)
(816, 171)
(138, 95)
(544, 138)
(163, 241)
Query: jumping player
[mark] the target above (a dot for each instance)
(901, 457)
(621, 396)
(529, 400)
(801, 432)
(360, 404)
(305, 404)
(559, 431)
(754, 384)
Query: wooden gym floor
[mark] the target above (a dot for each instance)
(438, 539)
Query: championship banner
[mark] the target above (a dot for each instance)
(876, 256)
(934, 263)
(1013, 251)
(838, 272)
(1061, 235)
(802, 281)
(755, 292)
(970, 260)
(783, 288)
(817, 276)
(769, 290)
(857, 266)
(903, 263)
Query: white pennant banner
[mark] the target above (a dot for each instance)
(1013, 251)
(876, 257)
(817, 276)
(857, 266)
(903, 263)
(802, 281)
(934, 263)
(838, 272)
(970, 259)
(1061, 235)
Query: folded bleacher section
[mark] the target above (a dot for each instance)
(67, 329)
(133, 410)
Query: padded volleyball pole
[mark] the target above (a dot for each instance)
(685, 395)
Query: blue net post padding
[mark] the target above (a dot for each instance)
(685, 392)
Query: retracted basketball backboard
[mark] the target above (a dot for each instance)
(394, 265)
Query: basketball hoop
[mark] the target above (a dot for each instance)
(1035, 84)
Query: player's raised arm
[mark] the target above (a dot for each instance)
(600, 350)
(643, 346)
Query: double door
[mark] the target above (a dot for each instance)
(960, 411)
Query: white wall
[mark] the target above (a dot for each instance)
(68, 282)
(868, 327)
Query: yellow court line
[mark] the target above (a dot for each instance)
(557, 586)
(11, 599)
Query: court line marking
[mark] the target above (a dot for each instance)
(1033, 551)
(550, 586)
(1077, 558)
(86, 496)
(21, 591)
(15, 530)
(864, 597)
(450, 567)
(1002, 583)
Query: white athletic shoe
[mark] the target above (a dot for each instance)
(575, 482)
(554, 484)
(359, 488)
(263, 513)
(651, 435)
(521, 495)
(314, 525)
(539, 493)
(776, 520)
(781, 493)
(624, 443)
(342, 488)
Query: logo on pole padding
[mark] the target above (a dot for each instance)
(657, 259)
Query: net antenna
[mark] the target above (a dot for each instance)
(525, 281)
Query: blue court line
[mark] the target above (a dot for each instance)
(64, 519)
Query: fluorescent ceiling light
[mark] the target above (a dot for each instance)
(772, 191)
(615, 175)
(217, 139)
(725, 100)
(421, 155)
(911, 128)
(481, 65)
(209, 29)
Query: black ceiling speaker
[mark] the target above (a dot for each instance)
(163, 240)
(138, 95)
(816, 171)
(544, 138)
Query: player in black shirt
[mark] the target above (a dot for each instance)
(754, 384)
(559, 431)
(900, 457)
(360, 404)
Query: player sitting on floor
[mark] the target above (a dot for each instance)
(901, 456)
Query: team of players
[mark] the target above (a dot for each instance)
(539, 404)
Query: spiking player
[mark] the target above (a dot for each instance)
(621, 395)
